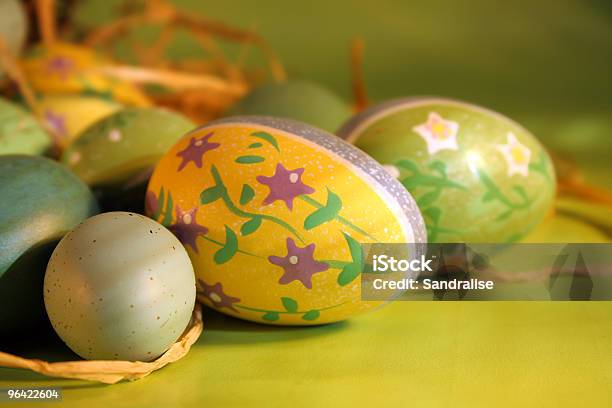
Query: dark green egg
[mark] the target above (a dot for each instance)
(305, 101)
(41, 201)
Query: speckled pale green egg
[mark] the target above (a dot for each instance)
(477, 176)
(20, 133)
(300, 100)
(273, 212)
(13, 26)
(116, 154)
(119, 286)
(40, 201)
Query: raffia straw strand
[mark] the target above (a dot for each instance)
(163, 13)
(153, 55)
(243, 54)
(172, 79)
(102, 35)
(15, 73)
(218, 57)
(230, 33)
(45, 10)
(111, 372)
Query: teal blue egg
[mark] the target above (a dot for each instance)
(41, 201)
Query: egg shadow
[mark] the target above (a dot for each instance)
(25, 329)
(221, 329)
(45, 345)
(117, 197)
(22, 310)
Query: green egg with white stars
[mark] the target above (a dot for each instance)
(477, 175)
(119, 287)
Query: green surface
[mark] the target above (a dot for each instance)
(545, 64)
(421, 353)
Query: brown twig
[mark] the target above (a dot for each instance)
(15, 73)
(359, 88)
(218, 57)
(160, 12)
(243, 53)
(229, 33)
(105, 34)
(570, 181)
(585, 191)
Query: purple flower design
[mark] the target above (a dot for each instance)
(285, 185)
(56, 122)
(187, 229)
(196, 150)
(299, 264)
(60, 66)
(214, 293)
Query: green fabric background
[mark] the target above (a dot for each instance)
(546, 64)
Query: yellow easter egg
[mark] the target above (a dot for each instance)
(64, 68)
(69, 115)
(272, 213)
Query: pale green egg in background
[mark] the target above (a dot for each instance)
(115, 155)
(301, 100)
(118, 147)
(20, 133)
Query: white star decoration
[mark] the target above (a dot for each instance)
(440, 134)
(517, 156)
